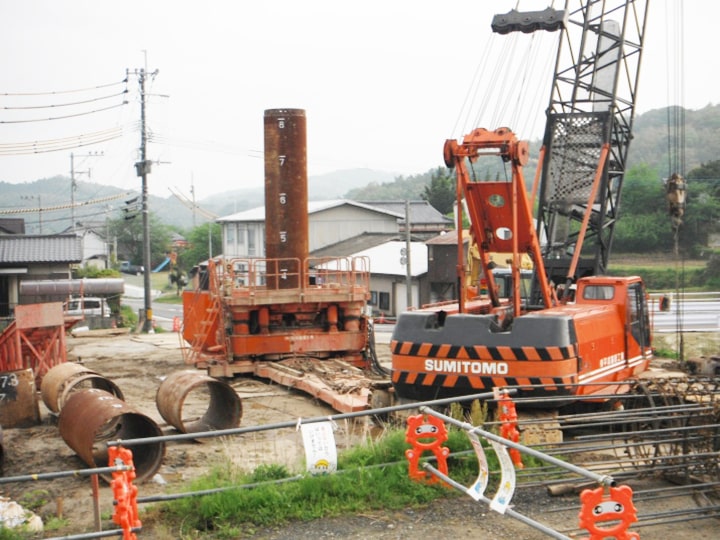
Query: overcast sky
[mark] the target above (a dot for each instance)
(383, 83)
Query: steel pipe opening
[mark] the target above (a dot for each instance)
(90, 418)
(61, 381)
(192, 402)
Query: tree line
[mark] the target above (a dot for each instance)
(644, 224)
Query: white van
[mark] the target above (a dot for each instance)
(88, 305)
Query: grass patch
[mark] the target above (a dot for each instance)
(666, 278)
(371, 476)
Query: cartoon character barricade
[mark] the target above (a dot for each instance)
(606, 512)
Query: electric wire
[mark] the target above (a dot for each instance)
(64, 117)
(63, 206)
(55, 92)
(66, 143)
(209, 146)
(71, 104)
(78, 217)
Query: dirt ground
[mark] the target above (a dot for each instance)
(138, 363)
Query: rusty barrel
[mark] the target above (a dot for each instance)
(61, 381)
(18, 399)
(90, 418)
(192, 402)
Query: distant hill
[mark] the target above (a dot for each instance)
(51, 193)
(651, 135)
(649, 146)
(333, 185)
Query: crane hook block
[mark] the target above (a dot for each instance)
(528, 22)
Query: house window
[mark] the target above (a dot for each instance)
(242, 233)
(373, 298)
(230, 236)
(384, 301)
(251, 243)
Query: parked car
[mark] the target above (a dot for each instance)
(88, 306)
(127, 268)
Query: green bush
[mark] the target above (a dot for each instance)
(128, 318)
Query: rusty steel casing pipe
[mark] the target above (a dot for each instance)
(286, 196)
(92, 417)
(192, 402)
(61, 381)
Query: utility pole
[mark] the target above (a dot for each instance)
(192, 193)
(408, 245)
(73, 183)
(143, 168)
(39, 200)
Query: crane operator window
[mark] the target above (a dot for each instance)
(598, 292)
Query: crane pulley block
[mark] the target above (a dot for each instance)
(528, 22)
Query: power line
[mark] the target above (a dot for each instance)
(65, 116)
(64, 206)
(72, 103)
(52, 93)
(191, 204)
(67, 143)
(209, 146)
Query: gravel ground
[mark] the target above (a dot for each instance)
(138, 363)
(461, 517)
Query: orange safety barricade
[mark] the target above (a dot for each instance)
(426, 433)
(125, 493)
(508, 429)
(614, 508)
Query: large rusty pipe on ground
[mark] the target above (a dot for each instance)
(93, 417)
(61, 381)
(186, 389)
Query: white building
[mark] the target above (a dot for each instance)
(329, 222)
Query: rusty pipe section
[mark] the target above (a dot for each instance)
(73, 286)
(92, 417)
(193, 402)
(286, 196)
(61, 381)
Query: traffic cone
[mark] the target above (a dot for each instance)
(176, 324)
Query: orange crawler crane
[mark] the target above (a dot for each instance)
(579, 333)
(582, 348)
(297, 320)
